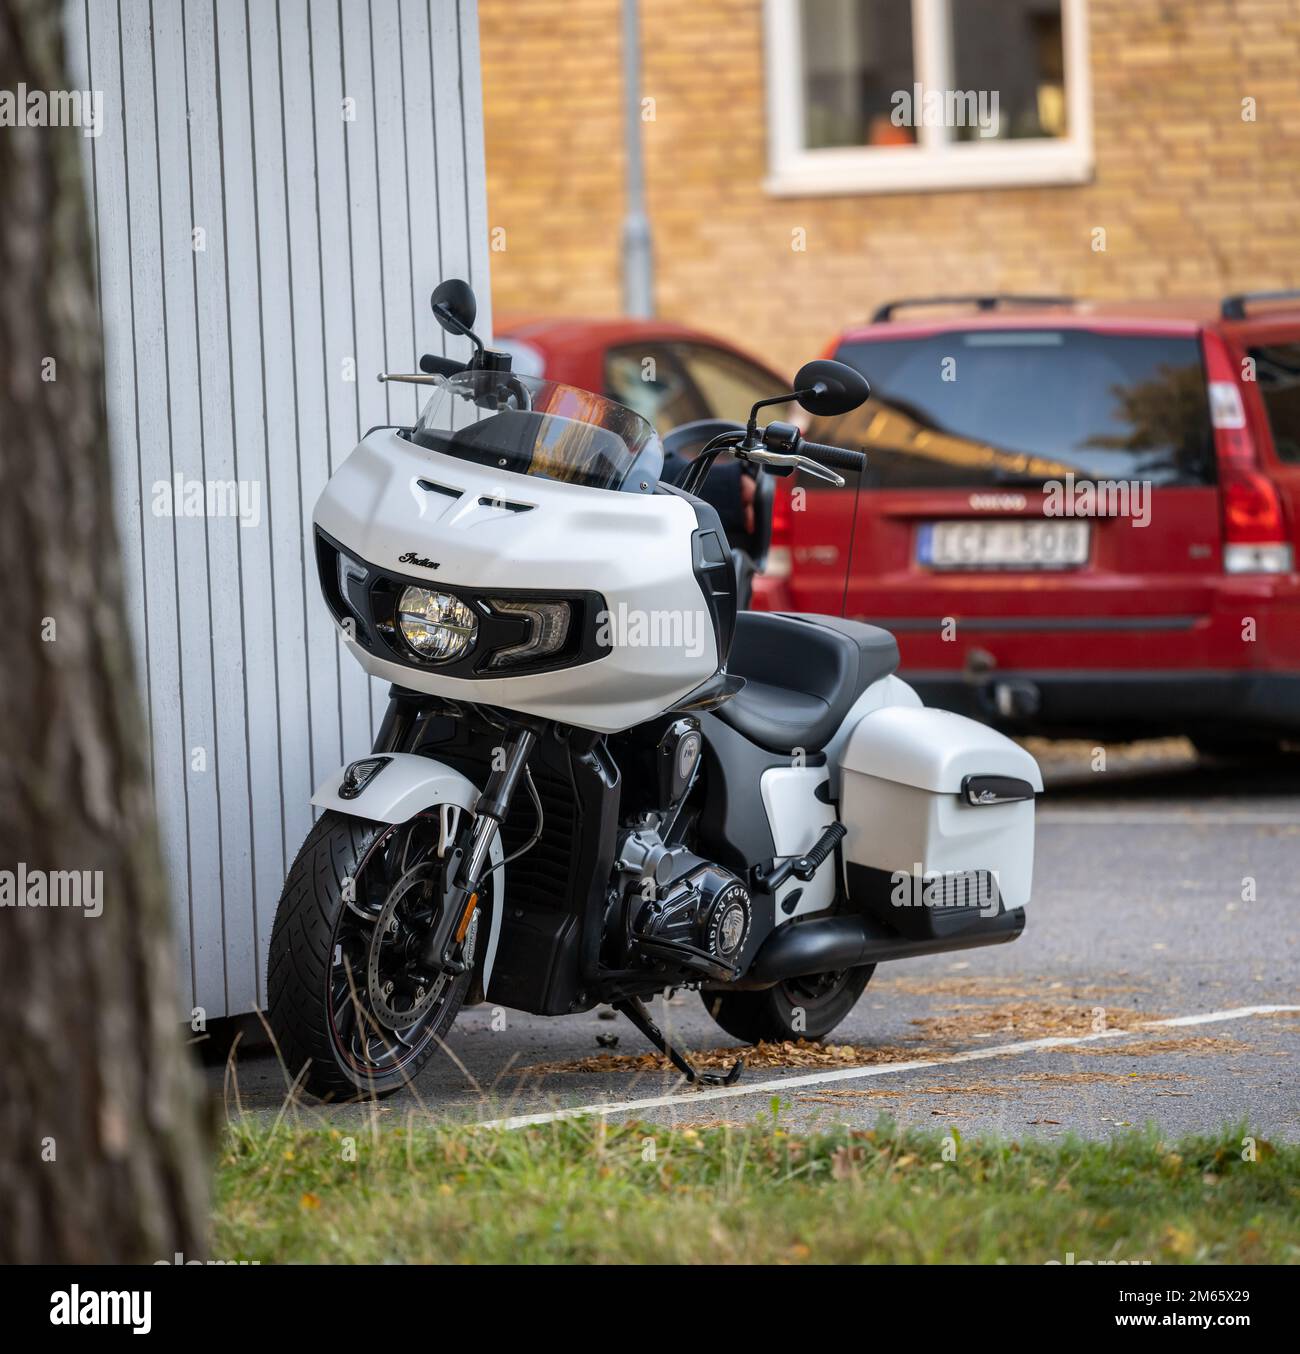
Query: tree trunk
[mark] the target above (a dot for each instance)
(103, 1154)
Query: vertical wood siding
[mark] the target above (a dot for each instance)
(249, 353)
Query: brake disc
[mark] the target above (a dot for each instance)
(393, 945)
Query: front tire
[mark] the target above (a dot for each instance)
(325, 962)
(799, 1008)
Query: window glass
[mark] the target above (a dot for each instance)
(998, 406)
(856, 54)
(1013, 48)
(647, 379)
(1277, 369)
(897, 95)
(728, 384)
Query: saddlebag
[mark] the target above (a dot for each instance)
(939, 813)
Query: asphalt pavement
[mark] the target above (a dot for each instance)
(1161, 941)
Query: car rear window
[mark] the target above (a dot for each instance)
(1277, 369)
(981, 407)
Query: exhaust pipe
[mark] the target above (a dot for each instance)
(801, 948)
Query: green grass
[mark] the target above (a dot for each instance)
(626, 1193)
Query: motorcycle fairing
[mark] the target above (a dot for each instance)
(487, 529)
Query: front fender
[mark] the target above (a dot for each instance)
(405, 786)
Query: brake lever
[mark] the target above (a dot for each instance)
(792, 461)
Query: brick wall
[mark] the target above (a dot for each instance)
(1194, 200)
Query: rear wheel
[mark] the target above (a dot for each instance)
(799, 1008)
(347, 999)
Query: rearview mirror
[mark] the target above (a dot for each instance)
(454, 306)
(826, 388)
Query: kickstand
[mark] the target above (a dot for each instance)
(635, 1010)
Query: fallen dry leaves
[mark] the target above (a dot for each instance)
(1099, 1078)
(1065, 753)
(838, 1097)
(1150, 1048)
(962, 1024)
(1020, 1020)
(981, 985)
(790, 1053)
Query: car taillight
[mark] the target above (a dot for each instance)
(1255, 539)
(779, 557)
(1254, 530)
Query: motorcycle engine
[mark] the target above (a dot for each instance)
(682, 910)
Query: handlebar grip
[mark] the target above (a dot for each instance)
(434, 365)
(837, 458)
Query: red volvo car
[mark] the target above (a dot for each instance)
(668, 373)
(1079, 519)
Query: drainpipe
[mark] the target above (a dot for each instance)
(638, 261)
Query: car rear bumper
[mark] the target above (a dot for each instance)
(1122, 703)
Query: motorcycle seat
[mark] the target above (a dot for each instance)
(802, 674)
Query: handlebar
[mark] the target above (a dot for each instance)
(794, 454)
(434, 365)
(838, 458)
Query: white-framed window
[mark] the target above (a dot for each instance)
(886, 96)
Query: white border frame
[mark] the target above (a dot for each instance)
(932, 164)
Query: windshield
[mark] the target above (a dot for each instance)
(534, 427)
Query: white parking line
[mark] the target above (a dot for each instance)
(1239, 1013)
(857, 1073)
(1169, 818)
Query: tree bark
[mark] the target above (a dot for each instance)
(103, 1152)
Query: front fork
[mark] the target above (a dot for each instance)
(443, 947)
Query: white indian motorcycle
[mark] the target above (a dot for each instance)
(597, 780)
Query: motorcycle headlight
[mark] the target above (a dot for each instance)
(548, 628)
(436, 625)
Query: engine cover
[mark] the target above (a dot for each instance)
(701, 920)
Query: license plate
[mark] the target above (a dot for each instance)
(1008, 544)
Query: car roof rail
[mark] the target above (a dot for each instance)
(1234, 307)
(987, 302)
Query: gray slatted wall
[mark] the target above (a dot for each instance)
(249, 353)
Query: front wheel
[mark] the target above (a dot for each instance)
(799, 1008)
(350, 1008)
